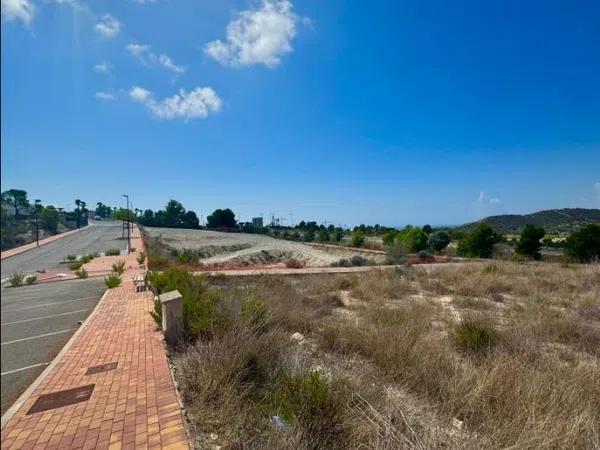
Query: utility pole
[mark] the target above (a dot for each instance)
(128, 230)
(36, 207)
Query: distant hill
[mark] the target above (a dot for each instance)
(553, 220)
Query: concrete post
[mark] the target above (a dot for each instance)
(172, 315)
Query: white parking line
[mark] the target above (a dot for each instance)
(23, 368)
(37, 337)
(49, 304)
(45, 317)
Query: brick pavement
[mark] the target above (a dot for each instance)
(132, 406)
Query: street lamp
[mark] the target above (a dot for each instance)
(128, 231)
(36, 208)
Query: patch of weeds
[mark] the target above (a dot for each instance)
(16, 279)
(86, 259)
(112, 252)
(255, 312)
(119, 267)
(474, 336)
(112, 281)
(81, 273)
(71, 257)
(489, 269)
(141, 257)
(186, 256)
(358, 260)
(341, 263)
(31, 279)
(389, 318)
(75, 265)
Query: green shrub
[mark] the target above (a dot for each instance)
(358, 239)
(337, 236)
(86, 259)
(396, 254)
(424, 254)
(358, 260)
(81, 273)
(414, 239)
(112, 252)
(389, 237)
(313, 405)
(186, 257)
(584, 244)
(71, 257)
(341, 263)
(112, 281)
(141, 257)
(438, 240)
(75, 265)
(31, 279)
(16, 279)
(309, 236)
(323, 236)
(119, 267)
(479, 243)
(473, 336)
(529, 242)
(255, 312)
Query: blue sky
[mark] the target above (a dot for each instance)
(340, 111)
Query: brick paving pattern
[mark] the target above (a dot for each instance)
(132, 406)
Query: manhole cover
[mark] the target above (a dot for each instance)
(61, 398)
(101, 368)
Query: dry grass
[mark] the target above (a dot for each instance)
(482, 356)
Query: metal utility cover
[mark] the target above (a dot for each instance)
(101, 368)
(62, 398)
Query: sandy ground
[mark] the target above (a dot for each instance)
(217, 247)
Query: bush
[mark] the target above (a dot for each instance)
(119, 267)
(396, 254)
(473, 336)
(112, 281)
(86, 259)
(414, 239)
(424, 254)
(186, 257)
(255, 312)
(141, 257)
(389, 237)
(75, 265)
(81, 273)
(31, 279)
(479, 243)
(312, 404)
(358, 239)
(358, 260)
(529, 242)
(71, 257)
(341, 263)
(309, 236)
(201, 314)
(439, 240)
(294, 264)
(584, 244)
(112, 252)
(323, 236)
(337, 236)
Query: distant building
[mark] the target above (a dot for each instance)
(257, 222)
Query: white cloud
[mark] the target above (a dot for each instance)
(22, 10)
(107, 26)
(196, 104)
(483, 199)
(104, 68)
(259, 36)
(105, 96)
(146, 57)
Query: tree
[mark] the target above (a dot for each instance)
(427, 229)
(221, 218)
(17, 198)
(174, 212)
(529, 243)
(479, 242)
(323, 236)
(124, 215)
(190, 220)
(389, 237)
(309, 235)
(584, 244)
(49, 219)
(358, 238)
(413, 238)
(338, 234)
(439, 240)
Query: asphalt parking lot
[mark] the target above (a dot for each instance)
(36, 323)
(98, 237)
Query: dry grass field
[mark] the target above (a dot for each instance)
(492, 355)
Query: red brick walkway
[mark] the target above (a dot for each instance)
(133, 406)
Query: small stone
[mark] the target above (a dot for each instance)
(457, 424)
(298, 337)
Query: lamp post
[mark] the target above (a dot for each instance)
(128, 230)
(36, 208)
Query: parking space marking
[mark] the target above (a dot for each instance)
(44, 317)
(50, 304)
(23, 368)
(37, 337)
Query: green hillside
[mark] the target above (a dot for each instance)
(553, 220)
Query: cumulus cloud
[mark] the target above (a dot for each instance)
(103, 68)
(483, 199)
(107, 26)
(258, 36)
(105, 96)
(196, 104)
(22, 10)
(146, 57)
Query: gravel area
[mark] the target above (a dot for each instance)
(218, 247)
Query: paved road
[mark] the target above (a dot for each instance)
(36, 323)
(98, 237)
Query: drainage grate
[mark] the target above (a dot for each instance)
(61, 398)
(101, 368)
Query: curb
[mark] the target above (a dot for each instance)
(10, 412)
(62, 236)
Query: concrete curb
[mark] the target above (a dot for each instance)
(10, 412)
(61, 236)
